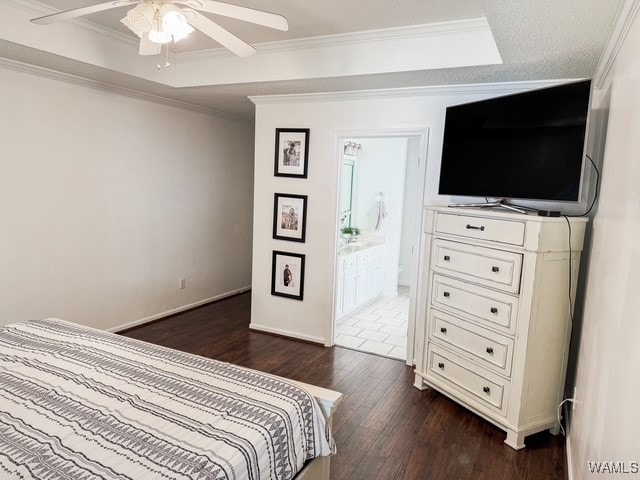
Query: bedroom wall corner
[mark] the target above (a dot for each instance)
(107, 201)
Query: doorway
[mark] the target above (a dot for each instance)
(379, 212)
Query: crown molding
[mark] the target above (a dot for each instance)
(345, 39)
(626, 16)
(40, 9)
(504, 88)
(419, 47)
(106, 87)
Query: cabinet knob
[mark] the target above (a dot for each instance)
(486, 390)
(447, 258)
(472, 227)
(443, 330)
(490, 350)
(446, 294)
(495, 269)
(441, 365)
(494, 310)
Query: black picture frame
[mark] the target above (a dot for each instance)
(293, 287)
(289, 217)
(292, 152)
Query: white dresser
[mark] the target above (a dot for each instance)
(494, 324)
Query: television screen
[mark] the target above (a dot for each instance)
(524, 146)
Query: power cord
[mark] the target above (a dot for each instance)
(566, 217)
(572, 400)
(595, 195)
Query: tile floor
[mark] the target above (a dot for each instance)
(379, 327)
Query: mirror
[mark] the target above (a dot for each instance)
(346, 192)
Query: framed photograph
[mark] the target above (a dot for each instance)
(287, 275)
(289, 217)
(292, 152)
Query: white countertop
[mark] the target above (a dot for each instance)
(357, 246)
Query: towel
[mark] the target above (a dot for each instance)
(381, 212)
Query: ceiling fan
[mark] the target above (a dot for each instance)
(158, 22)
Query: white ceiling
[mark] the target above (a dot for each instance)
(536, 40)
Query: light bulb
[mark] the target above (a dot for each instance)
(157, 33)
(172, 20)
(159, 36)
(175, 23)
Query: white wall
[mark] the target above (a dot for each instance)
(328, 118)
(106, 201)
(606, 422)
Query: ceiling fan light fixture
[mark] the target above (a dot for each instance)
(157, 34)
(140, 19)
(158, 22)
(174, 22)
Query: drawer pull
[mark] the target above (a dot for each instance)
(447, 258)
(494, 310)
(490, 350)
(446, 294)
(441, 365)
(443, 330)
(471, 227)
(486, 390)
(495, 269)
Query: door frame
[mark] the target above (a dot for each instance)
(415, 288)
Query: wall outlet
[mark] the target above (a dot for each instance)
(182, 283)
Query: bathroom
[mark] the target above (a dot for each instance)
(379, 212)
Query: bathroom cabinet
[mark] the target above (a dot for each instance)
(360, 276)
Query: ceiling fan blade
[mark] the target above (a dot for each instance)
(147, 47)
(220, 35)
(250, 15)
(78, 12)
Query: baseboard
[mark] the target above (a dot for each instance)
(157, 316)
(567, 438)
(286, 333)
(569, 457)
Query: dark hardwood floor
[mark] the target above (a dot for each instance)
(385, 428)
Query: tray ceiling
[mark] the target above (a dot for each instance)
(532, 40)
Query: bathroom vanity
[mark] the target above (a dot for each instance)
(360, 275)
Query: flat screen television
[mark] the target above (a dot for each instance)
(528, 145)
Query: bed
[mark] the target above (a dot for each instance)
(80, 403)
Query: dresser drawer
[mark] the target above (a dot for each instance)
(491, 229)
(469, 380)
(486, 266)
(478, 304)
(489, 349)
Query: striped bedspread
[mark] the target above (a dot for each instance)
(78, 403)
